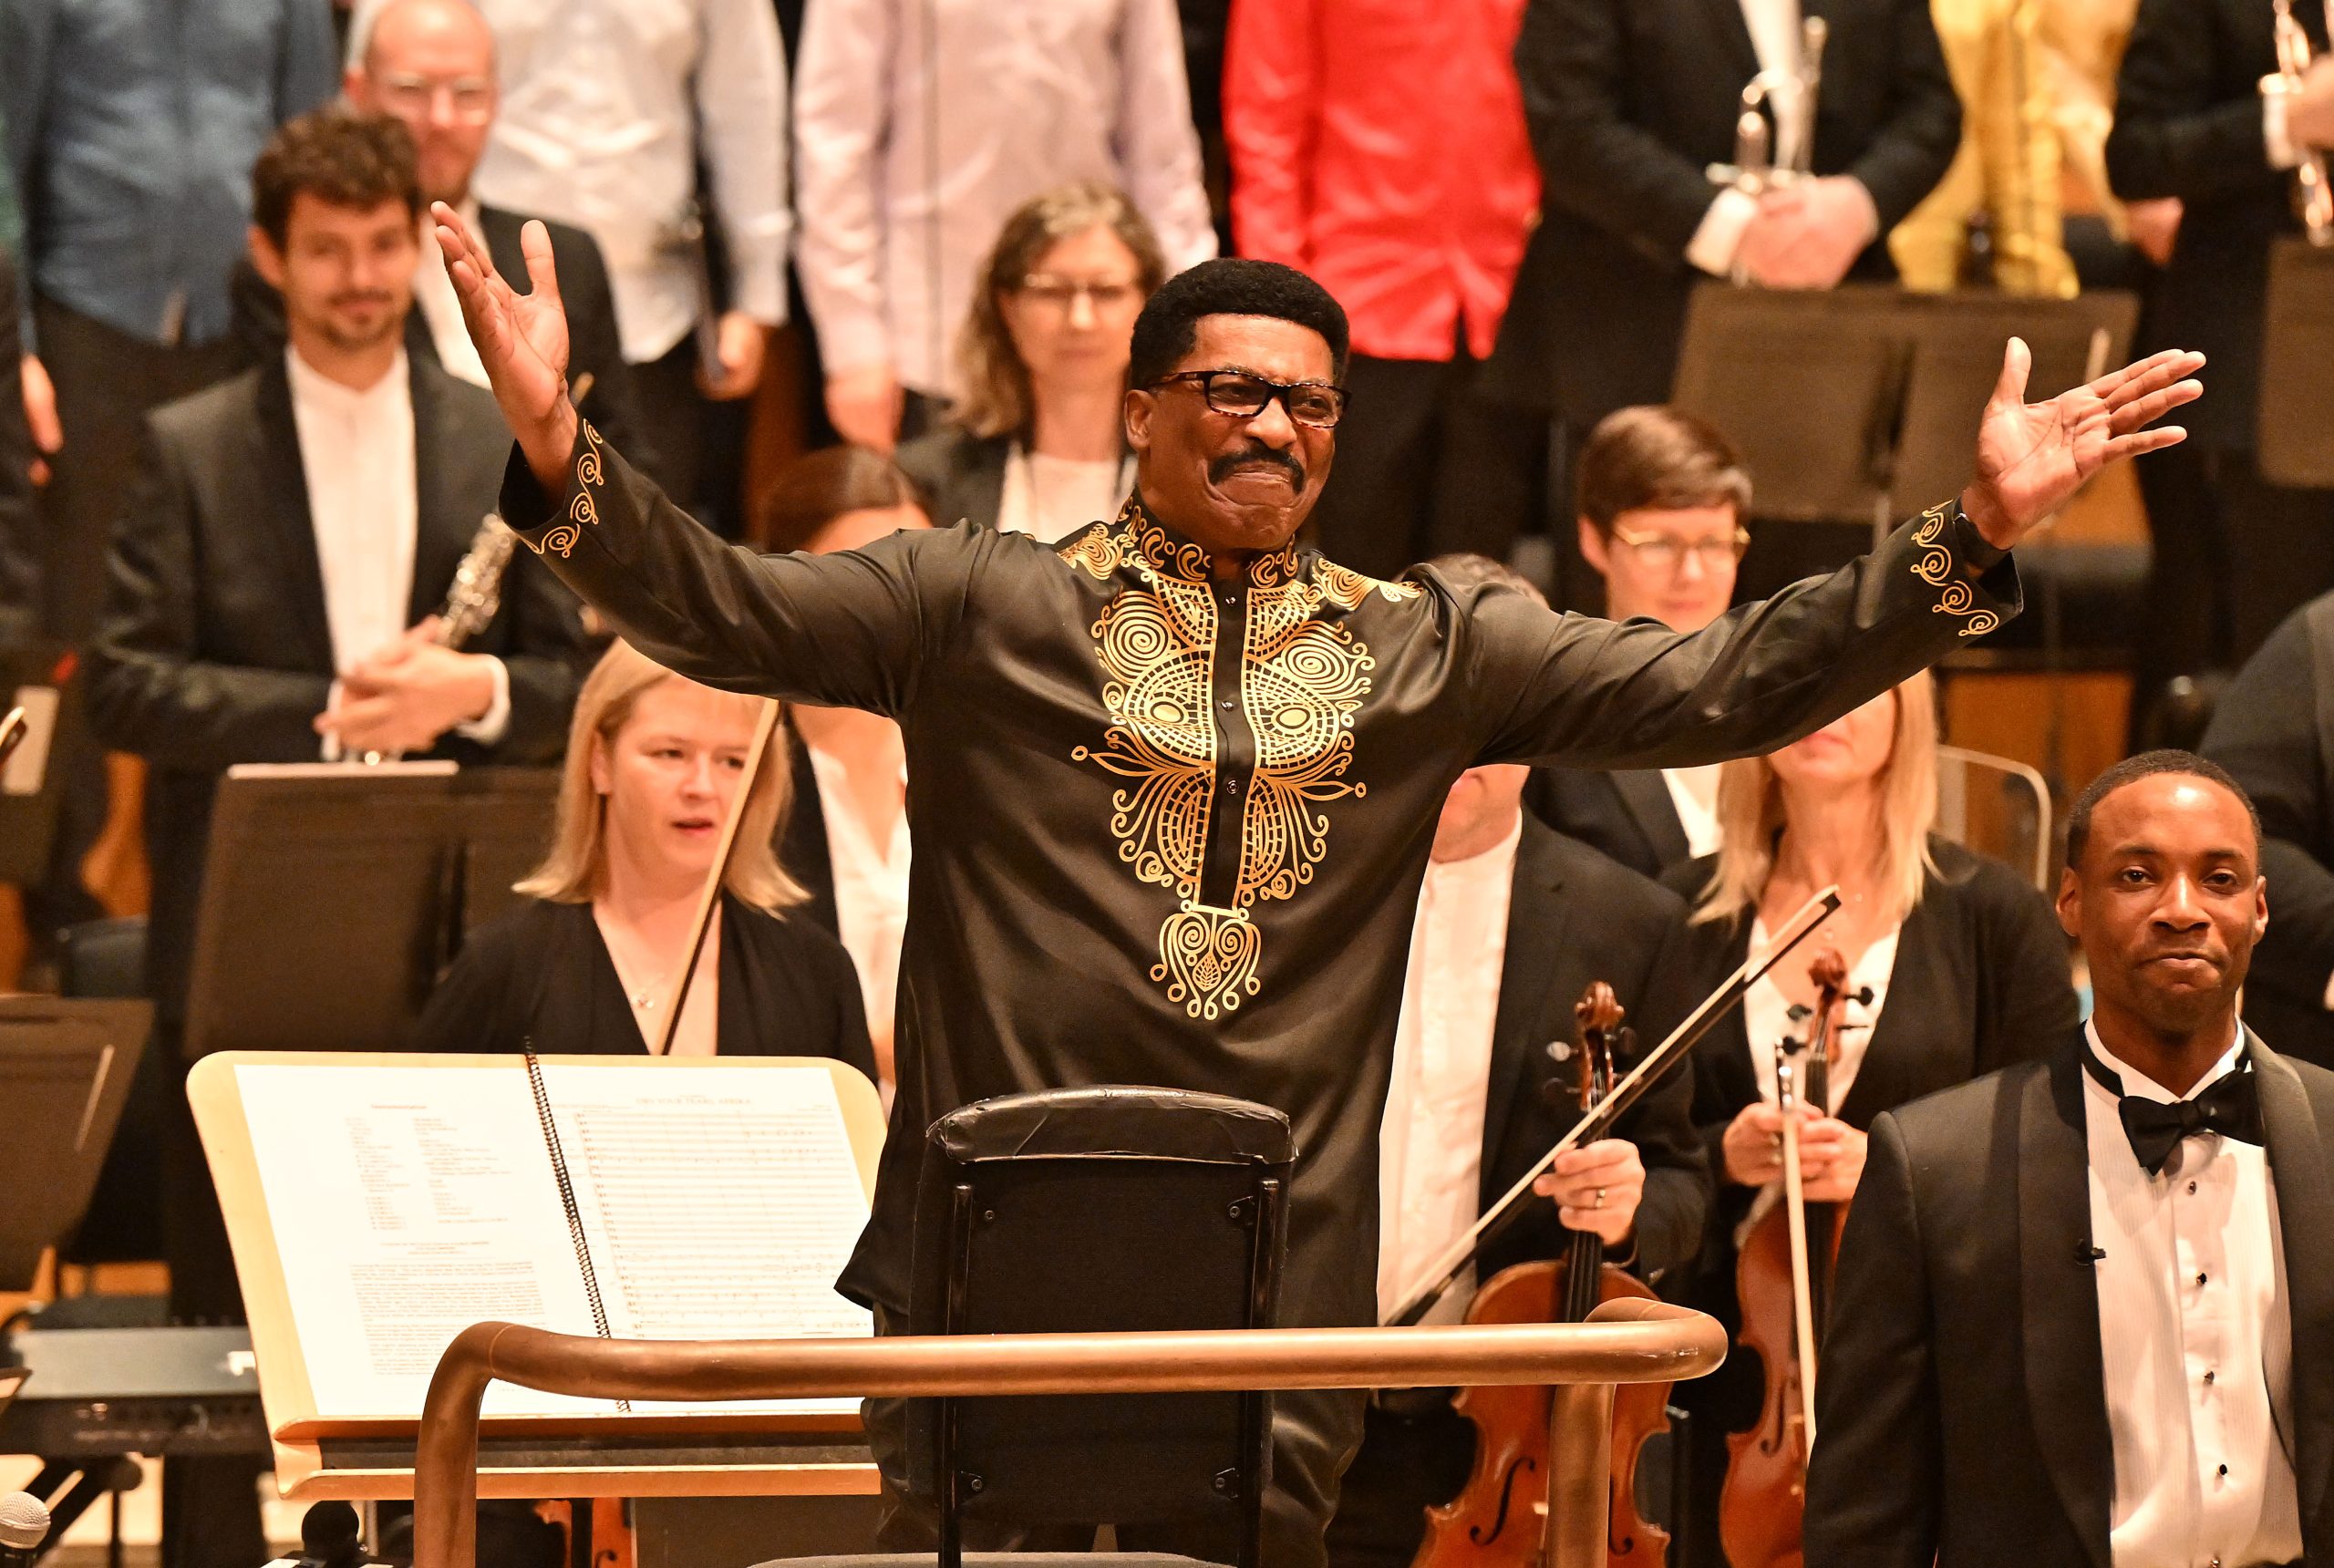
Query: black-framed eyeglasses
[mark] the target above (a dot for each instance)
(1242, 395)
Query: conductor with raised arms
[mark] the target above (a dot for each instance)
(1173, 779)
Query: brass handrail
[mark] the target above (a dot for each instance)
(1628, 1341)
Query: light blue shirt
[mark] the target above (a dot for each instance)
(132, 126)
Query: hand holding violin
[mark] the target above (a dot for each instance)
(1598, 1188)
(1830, 1153)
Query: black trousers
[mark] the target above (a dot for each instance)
(1427, 465)
(1407, 1465)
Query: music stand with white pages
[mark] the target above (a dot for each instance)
(379, 1204)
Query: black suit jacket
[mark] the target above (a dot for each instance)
(540, 977)
(1630, 102)
(1629, 814)
(593, 347)
(1573, 916)
(1962, 1412)
(1981, 980)
(2188, 124)
(962, 475)
(2273, 730)
(214, 647)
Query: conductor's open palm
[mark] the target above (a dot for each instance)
(521, 339)
(2033, 457)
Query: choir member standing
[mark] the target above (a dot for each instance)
(921, 127)
(2083, 1304)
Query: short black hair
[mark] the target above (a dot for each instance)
(1169, 326)
(339, 157)
(2147, 765)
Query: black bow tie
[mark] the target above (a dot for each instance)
(2231, 1106)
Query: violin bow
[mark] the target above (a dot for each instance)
(708, 898)
(1446, 1270)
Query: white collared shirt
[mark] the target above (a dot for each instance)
(2195, 1340)
(1053, 498)
(919, 129)
(607, 105)
(1430, 1140)
(441, 312)
(871, 889)
(357, 455)
(1693, 793)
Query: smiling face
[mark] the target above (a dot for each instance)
(1233, 484)
(2167, 903)
(669, 774)
(346, 272)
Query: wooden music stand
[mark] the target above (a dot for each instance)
(335, 894)
(694, 1453)
(66, 1067)
(1859, 404)
(2296, 430)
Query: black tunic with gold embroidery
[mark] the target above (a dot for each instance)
(1170, 830)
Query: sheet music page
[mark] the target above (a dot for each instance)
(408, 1204)
(719, 1201)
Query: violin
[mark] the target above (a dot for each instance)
(1501, 1519)
(1783, 1279)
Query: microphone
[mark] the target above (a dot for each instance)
(24, 1525)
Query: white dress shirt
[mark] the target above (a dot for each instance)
(1053, 498)
(356, 457)
(871, 889)
(919, 129)
(1431, 1141)
(603, 104)
(2196, 1341)
(1693, 791)
(1774, 27)
(441, 311)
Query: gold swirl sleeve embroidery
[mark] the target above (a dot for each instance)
(583, 511)
(1933, 565)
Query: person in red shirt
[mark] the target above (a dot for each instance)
(1383, 149)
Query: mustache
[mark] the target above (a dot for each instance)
(1256, 456)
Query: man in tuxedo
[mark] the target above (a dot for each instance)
(431, 63)
(288, 536)
(1513, 924)
(2082, 1308)
(1663, 501)
(1631, 102)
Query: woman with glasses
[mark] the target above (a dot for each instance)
(1956, 967)
(1037, 443)
(1662, 503)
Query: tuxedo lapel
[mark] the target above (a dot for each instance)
(1645, 796)
(2297, 1150)
(280, 504)
(1522, 1025)
(2059, 1300)
(440, 533)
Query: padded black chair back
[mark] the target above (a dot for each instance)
(1093, 1210)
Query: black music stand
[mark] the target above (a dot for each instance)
(335, 894)
(2295, 435)
(39, 676)
(65, 1068)
(1859, 404)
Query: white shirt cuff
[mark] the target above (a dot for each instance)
(488, 728)
(1719, 236)
(2279, 141)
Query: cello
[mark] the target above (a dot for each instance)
(1500, 1518)
(1783, 1279)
